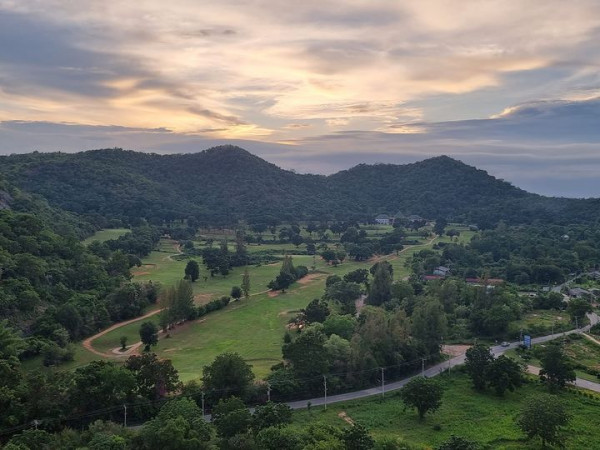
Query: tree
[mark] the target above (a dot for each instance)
(306, 353)
(155, 377)
(440, 225)
(578, 308)
(178, 425)
(344, 293)
(543, 416)
(149, 334)
(230, 417)
(380, 291)
(101, 384)
(246, 284)
(123, 341)
(183, 305)
(316, 311)
(228, 374)
(236, 292)
(429, 324)
(357, 438)
(504, 373)
(360, 276)
(556, 369)
(192, 270)
(424, 394)
(297, 240)
(478, 359)
(271, 415)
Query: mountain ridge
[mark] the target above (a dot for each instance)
(221, 185)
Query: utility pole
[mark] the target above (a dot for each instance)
(202, 404)
(382, 382)
(576, 323)
(422, 367)
(268, 392)
(125, 415)
(521, 336)
(325, 389)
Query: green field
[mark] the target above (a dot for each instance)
(485, 418)
(253, 328)
(580, 351)
(106, 235)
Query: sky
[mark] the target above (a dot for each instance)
(510, 86)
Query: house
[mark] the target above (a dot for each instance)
(473, 227)
(578, 292)
(432, 277)
(441, 271)
(383, 219)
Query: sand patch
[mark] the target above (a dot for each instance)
(139, 274)
(202, 299)
(273, 293)
(308, 278)
(345, 417)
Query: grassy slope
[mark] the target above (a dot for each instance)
(106, 235)
(482, 417)
(254, 328)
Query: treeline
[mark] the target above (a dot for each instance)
(542, 254)
(222, 185)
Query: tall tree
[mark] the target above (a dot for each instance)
(556, 369)
(380, 291)
(228, 374)
(149, 334)
(478, 359)
(504, 373)
(429, 324)
(246, 283)
(424, 394)
(543, 416)
(155, 377)
(192, 270)
(183, 305)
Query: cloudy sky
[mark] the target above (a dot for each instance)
(512, 87)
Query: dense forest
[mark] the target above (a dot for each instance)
(56, 290)
(223, 184)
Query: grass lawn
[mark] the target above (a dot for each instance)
(484, 418)
(253, 328)
(580, 351)
(539, 321)
(106, 235)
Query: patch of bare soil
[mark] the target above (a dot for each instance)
(273, 293)
(345, 417)
(139, 274)
(202, 299)
(308, 278)
(455, 350)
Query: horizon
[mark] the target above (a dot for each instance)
(509, 88)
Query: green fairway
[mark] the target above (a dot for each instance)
(253, 328)
(484, 418)
(106, 235)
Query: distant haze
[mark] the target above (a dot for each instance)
(508, 86)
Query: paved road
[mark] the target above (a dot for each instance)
(439, 368)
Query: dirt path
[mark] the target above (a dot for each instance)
(87, 343)
(591, 338)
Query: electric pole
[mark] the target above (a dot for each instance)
(422, 367)
(268, 392)
(125, 416)
(203, 404)
(325, 389)
(382, 382)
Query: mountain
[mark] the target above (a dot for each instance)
(223, 184)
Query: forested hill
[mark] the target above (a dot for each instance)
(223, 184)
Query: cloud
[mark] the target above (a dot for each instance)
(500, 83)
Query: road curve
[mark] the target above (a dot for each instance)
(439, 368)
